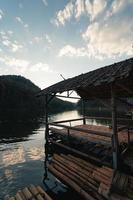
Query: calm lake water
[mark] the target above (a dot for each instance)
(22, 155)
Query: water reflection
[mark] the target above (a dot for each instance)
(35, 153)
(13, 156)
(22, 153)
(8, 173)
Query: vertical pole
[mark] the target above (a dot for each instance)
(46, 136)
(83, 111)
(114, 127)
(128, 133)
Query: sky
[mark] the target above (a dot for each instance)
(41, 39)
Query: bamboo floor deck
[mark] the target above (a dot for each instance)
(92, 137)
(30, 193)
(90, 181)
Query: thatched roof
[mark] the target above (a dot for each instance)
(98, 83)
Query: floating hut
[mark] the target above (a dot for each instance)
(112, 82)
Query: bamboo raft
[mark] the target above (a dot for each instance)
(92, 133)
(90, 181)
(30, 193)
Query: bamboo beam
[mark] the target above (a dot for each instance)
(63, 96)
(18, 197)
(22, 195)
(81, 172)
(76, 152)
(69, 120)
(70, 183)
(34, 191)
(83, 111)
(47, 197)
(106, 134)
(27, 194)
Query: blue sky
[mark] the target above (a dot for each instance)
(41, 39)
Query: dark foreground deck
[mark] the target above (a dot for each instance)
(90, 181)
(30, 193)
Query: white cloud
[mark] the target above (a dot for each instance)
(71, 51)
(26, 26)
(22, 66)
(7, 41)
(109, 40)
(47, 37)
(19, 65)
(20, 5)
(40, 67)
(64, 15)
(97, 7)
(10, 32)
(45, 2)
(38, 39)
(19, 20)
(16, 47)
(1, 14)
(109, 32)
(11, 61)
(79, 8)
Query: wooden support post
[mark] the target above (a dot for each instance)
(128, 133)
(46, 136)
(83, 111)
(114, 127)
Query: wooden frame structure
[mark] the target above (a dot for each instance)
(113, 81)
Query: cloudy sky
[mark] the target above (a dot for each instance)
(41, 39)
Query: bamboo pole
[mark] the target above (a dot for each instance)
(84, 184)
(80, 164)
(35, 192)
(47, 197)
(6, 197)
(27, 194)
(114, 127)
(22, 195)
(18, 197)
(106, 134)
(68, 163)
(71, 183)
(81, 173)
(12, 198)
(75, 176)
(78, 153)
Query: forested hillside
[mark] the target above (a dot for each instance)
(18, 99)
